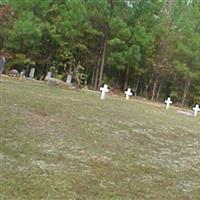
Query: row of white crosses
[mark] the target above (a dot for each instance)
(196, 109)
(128, 93)
(105, 90)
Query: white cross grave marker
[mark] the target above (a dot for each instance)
(168, 102)
(128, 93)
(196, 110)
(104, 90)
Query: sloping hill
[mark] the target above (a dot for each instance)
(62, 144)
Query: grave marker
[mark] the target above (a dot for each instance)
(168, 102)
(196, 109)
(128, 93)
(22, 75)
(104, 90)
(32, 73)
(48, 76)
(69, 79)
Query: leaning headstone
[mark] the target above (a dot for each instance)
(32, 73)
(2, 62)
(104, 90)
(69, 79)
(168, 102)
(128, 93)
(196, 109)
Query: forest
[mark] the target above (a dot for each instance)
(151, 46)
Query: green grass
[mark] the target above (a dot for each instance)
(61, 144)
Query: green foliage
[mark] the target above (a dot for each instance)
(156, 41)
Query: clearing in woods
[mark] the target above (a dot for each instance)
(61, 144)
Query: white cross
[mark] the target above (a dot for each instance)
(104, 90)
(168, 102)
(128, 93)
(196, 110)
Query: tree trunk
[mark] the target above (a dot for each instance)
(93, 75)
(154, 88)
(185, 91)
(96, 79)
(118, 80)
(158, 92)
(136, 86)
(147, 87)
(102, 59)
(126, 77)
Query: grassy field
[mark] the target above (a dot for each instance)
(61, 144)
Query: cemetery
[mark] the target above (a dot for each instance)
(67, 144)
(99, 100)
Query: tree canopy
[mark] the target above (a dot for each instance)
(151, 46)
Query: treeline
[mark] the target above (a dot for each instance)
(152, 46)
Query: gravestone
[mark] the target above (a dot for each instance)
(196, 109)
(128, 93)
(168, 102)
(48, 76)
(104, 90)
(69, 79)
(32, 73)
(2, 62)
(22, 75)
(13, 73)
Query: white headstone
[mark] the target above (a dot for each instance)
(69, 79)
(128, 93)
(32, 73)
(22, 75)
(104, 90)
(48, 76)
(168, 102)
(196, 109)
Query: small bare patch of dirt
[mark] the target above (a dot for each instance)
(39, 112)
